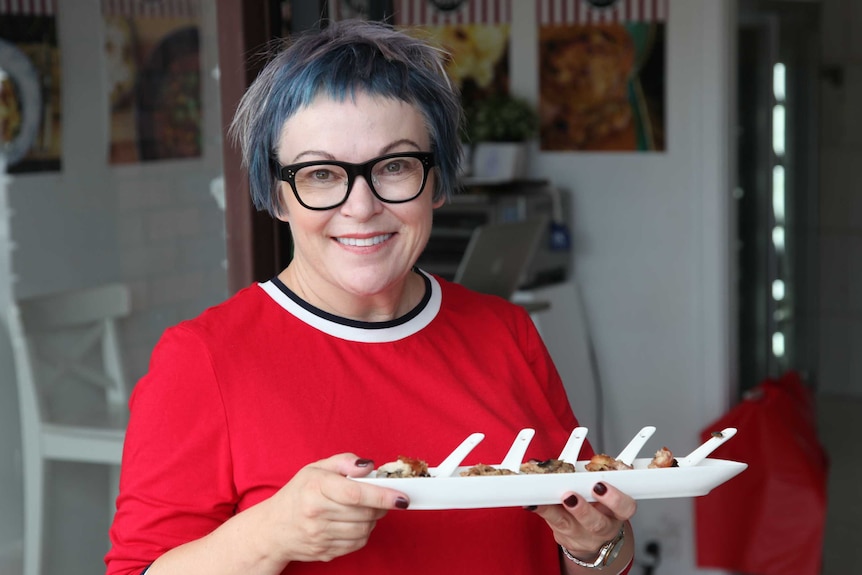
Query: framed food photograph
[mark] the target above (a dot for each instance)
(152, 55)
(474, 33)
(602, 75)
(20, 104)
(30, 95)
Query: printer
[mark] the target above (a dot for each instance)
(482, 203)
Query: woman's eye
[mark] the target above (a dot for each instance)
(320, 176)
(393, 167)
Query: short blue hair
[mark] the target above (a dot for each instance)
(341, 60)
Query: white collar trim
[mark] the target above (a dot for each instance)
(361, 334)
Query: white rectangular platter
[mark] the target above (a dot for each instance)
(457, 492)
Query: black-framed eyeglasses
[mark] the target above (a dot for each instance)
(326, 184)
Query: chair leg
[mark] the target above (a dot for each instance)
(34, 512)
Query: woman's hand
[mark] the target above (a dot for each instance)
(320, 514)
(583, 527)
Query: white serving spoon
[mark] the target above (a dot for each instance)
(454, 459)
(515, 456)
(710, 445)
(570, 451)
(631, 450)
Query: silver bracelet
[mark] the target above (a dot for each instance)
(607, 552)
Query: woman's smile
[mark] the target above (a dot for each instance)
(363, 242)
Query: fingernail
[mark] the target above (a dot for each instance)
(600, 488)
(570, 501)
(363, 462)
(531, 507)
(402, 503)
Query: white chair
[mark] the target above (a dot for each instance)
(71, 389)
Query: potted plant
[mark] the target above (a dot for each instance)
(501, 118)
(497, 130)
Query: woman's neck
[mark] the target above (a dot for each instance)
(390, 304)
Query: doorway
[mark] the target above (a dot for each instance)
(783, 82)
(258, 245)
(777, 194)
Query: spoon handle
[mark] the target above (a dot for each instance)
(570, 452)
(515, 456)
(710, 445)
(454, 459)
(631, 450)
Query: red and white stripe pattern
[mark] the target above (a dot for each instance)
(151, 8)
(29, 7)
(423, 13)
(581, 12)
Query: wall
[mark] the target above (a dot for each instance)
(651, 254)
(840, 313)
(155, 226)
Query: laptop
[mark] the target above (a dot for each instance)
(498, 255)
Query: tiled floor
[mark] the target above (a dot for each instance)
(840, 420)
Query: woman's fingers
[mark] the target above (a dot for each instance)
(323, 513)
(355, 493)
(617, 503)
(346, 465)
(581, 526)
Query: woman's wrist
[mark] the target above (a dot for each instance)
(605, 555)
(613, 557)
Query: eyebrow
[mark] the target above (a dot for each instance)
(386, 150)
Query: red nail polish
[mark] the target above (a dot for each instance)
(600, 488)
(363, 462)
(570, 501)
(402, 503)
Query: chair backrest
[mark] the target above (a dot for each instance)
(67, 338)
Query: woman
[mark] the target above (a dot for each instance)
(254, 415)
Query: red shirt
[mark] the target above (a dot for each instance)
(241, 397)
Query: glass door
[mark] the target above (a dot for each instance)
(778, 67)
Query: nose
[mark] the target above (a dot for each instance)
(361, 202)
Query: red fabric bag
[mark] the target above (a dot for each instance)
(770, 519)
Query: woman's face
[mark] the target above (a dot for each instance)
(364, 247)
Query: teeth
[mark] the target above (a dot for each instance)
(364, 242)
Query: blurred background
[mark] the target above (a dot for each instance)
(709, 205)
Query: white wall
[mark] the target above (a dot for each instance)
(652, 234)
(155, 226)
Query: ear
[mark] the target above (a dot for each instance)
(282, 215)
(438, 203)
(282, 212)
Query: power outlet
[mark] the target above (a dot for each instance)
(663, 538)
(650, 558)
